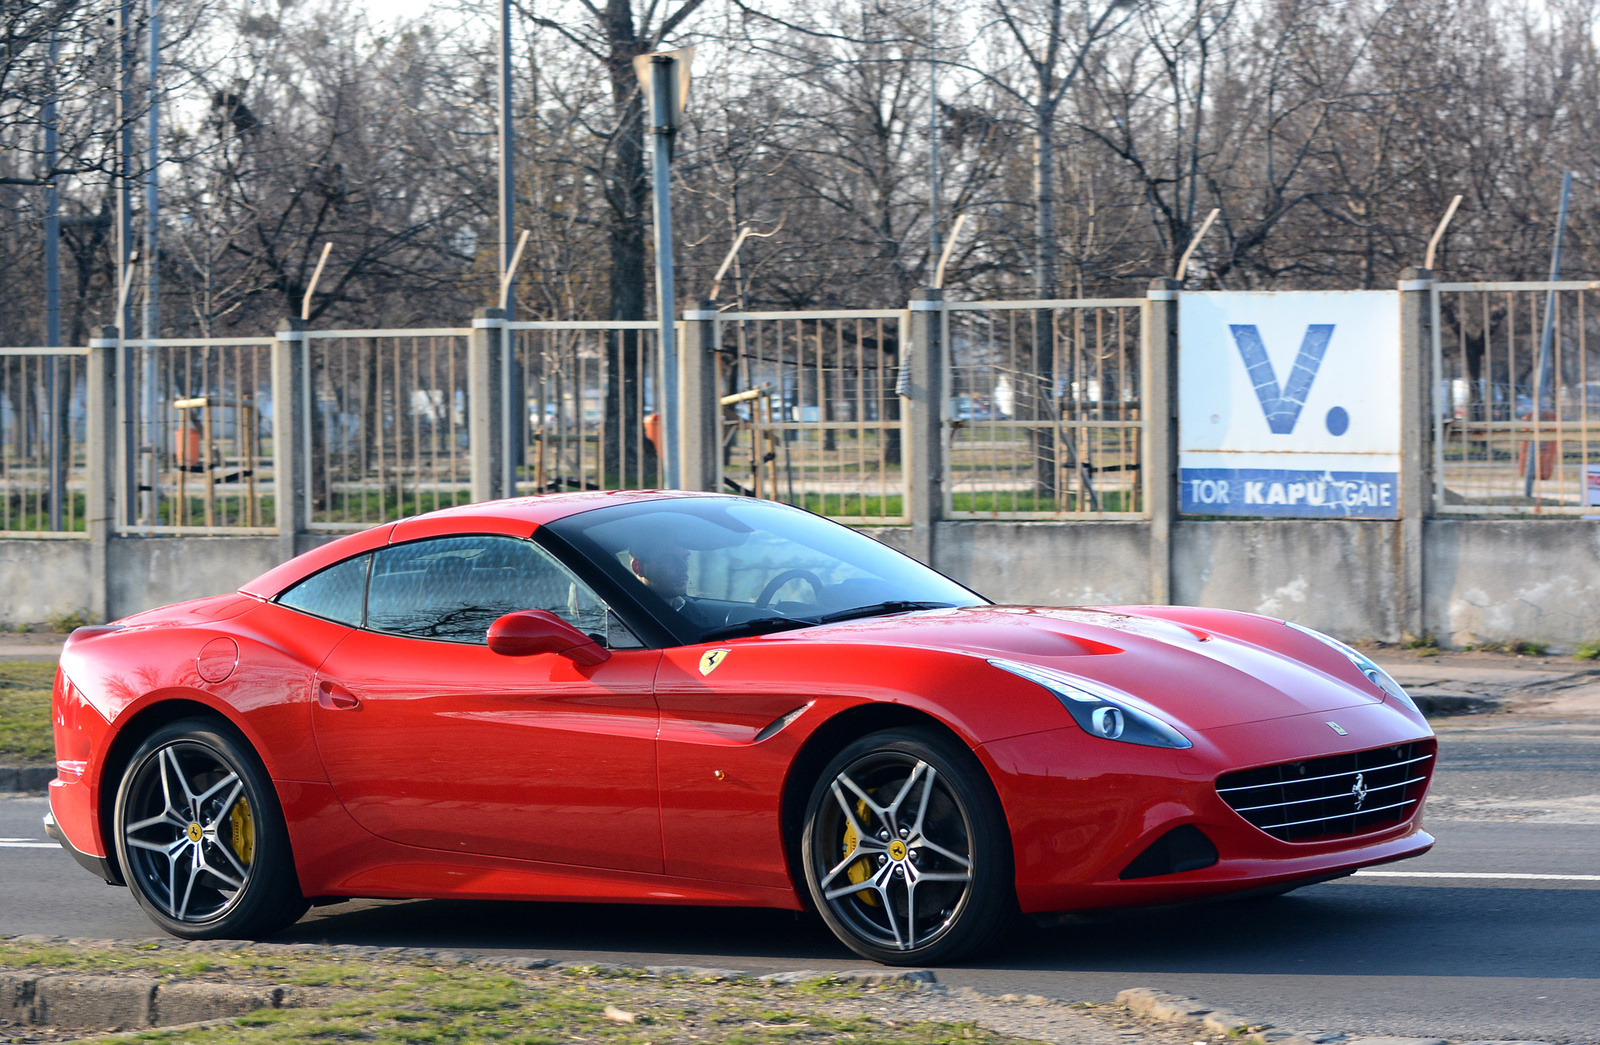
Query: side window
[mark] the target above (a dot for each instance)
(336, 593)
(455, 587)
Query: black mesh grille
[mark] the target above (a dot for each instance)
(1333, 797)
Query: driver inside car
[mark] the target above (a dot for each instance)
(663, 567)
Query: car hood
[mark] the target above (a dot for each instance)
(1203, 677)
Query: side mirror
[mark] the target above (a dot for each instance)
(526, 633)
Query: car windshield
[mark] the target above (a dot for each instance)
(720, 567)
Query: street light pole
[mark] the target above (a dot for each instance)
(151, 327)
(662, 118)
(508, 201)
(52, 299)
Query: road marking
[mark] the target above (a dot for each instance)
(1491, 875)
(26, 843)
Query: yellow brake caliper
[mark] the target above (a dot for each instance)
(243, 831)
(861, 870)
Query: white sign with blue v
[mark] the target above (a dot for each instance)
(1289, 404)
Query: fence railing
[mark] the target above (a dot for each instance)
(387, 426)
(590, 405)
(812, 416)
(43, 478)
(1043, 412)
(1518, 423)
(198, 444)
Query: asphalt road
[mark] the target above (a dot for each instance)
(1427, 956)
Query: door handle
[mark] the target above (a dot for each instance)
(334, 697)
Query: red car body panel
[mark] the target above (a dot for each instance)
(409, 768)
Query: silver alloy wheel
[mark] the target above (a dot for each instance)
(190, 832)
(897, 847)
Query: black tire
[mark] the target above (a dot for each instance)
(224, 871)
(918, 904)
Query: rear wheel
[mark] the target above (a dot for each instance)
(906, 850)
(201, 838)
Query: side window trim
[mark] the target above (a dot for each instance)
(366, 582)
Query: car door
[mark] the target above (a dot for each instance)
(431, 739)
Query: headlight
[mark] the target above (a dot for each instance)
(1376, 675)
(1100, 710)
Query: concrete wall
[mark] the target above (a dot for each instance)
(1048, 564)
(1339, 576)
(1505, 579)
(43, 580)
(153, 571)
(1484, 580)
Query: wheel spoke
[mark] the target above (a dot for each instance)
(851, 784)
(928, 843)
(160, 818)
(850, 858)
(154, 847)
(892, 812)
(231, 778)
(944, 876)
(227, 851)
(850, 814)
(875, 882)
(171, 757)
(206, 866)
(188, 889)
(911, 911)
(888, 910)
(922, 806)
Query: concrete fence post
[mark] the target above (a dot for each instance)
(923, 385)
(1158, 394)
(1416, 443)
(292, 400)
(102, 460)
(700, 413)
(488, 406)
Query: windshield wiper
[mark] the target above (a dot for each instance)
(767, 625)
(879, 608)
(757, 626)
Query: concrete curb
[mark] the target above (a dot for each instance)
(132, 1003)
(29, 779)
(129, 1002)
(1178, 1008)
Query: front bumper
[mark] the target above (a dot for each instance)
(1082, 809)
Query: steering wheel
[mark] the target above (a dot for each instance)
(776, 584)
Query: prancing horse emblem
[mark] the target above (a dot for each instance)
(710, 659)
(1359, 790)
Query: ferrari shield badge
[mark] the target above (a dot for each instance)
(710, 659)
(1331, 725)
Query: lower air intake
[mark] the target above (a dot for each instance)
(1183, 848)
(1335, 797)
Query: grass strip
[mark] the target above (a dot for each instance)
(25, 733)
(407, 1000)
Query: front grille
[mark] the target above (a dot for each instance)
(1334, 797)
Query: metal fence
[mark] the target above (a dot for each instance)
(388, 432)
(811, 416)
(1517, 423)
(1043, 411)
(590, 405)
(43, 477)
(198, 447)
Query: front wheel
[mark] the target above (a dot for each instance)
(906, 850)
(201, 838)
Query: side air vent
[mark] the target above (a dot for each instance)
(1183, 848)
(1334, 797)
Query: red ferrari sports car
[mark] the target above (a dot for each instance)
(700, 699)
